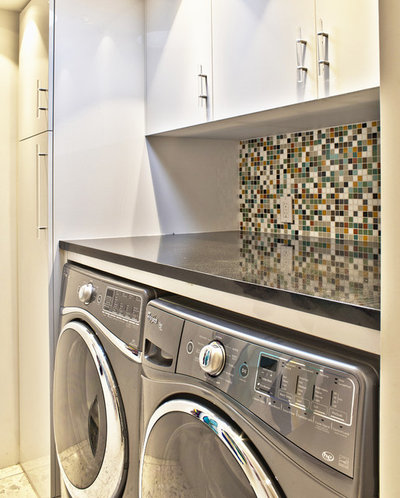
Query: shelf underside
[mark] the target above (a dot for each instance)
(349, 108)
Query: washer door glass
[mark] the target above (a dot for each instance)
(79, 411)
(89, 423)
(189, 451)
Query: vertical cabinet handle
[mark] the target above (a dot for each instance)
(41, 191)
(39, 105)
(301, 46)
(323, 53)
(203, 90)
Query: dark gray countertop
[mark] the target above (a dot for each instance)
(326, 277)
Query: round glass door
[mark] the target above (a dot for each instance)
(89, 424)
(190, 452)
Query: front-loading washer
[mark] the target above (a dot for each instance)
(233, 407)
(96, 393)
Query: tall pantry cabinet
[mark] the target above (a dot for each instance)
(34, 242)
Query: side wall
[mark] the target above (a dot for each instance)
(9, 411)
(390, 341)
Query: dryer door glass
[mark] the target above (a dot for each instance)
(79, 411)
(190, 450)
(184, 458)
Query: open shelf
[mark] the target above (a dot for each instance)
(352, 107)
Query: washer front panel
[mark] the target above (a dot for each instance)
(311, 404)
(89, 421)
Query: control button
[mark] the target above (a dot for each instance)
(99, 298)
(86, 293)
(190, 347)
(244, 370)
(212, 358)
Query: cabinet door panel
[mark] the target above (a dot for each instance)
(33, 298)
(254, 54)
(178, 42)
(352, 27)
(33, 69)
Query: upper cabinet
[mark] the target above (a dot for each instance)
(347, 45)
(263, 54)
(34, 69)
(178, 47)
(272, 53)
(266, 54)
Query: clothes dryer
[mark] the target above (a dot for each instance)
(237, 408)
(96, 395)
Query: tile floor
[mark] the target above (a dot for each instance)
(14, 483)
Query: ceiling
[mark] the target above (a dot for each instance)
(16, 5)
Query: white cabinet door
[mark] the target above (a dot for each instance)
(33, 299)
(255, 54)
(33, 69)
(178, 49)
(352, 29)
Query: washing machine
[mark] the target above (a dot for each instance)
(96, 394)
(237, 408)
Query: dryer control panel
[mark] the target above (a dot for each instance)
(311, 403)
(306, 386)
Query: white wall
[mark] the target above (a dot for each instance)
(390, 333)
(196, 184)
(9, 413)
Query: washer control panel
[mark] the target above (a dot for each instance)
(310, 403)
(117, 304)
(122, 304)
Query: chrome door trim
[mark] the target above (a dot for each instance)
(260, 480)
(132, 354)
(109, 478)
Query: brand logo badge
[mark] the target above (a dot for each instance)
(328, 456)
(154, 320)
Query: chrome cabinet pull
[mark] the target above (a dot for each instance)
(39, 106)
(203, 90)
(301, 46)
(41, 211)
(323, 53)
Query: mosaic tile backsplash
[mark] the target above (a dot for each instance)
(332, 176)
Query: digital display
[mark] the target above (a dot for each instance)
(268, 363)
(122, 304)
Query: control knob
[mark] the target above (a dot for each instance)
(212, 358)
(86, 293)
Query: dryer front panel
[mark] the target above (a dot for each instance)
(310, 403)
